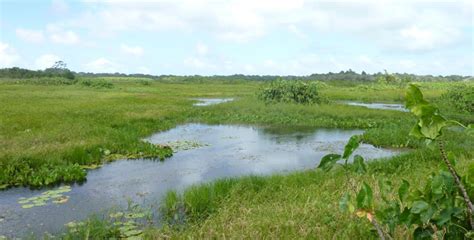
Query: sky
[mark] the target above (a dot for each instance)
(264, 37)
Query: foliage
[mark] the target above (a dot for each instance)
(59, 71)
(394, 79)
(54, 196)
(461, 98)
(126, 224)
(290, 91)
(60, 125)
(436, 211)
(100, 83)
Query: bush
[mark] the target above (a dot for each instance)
(291, 92)
(98, 83)
(55, 81)
(461, 98)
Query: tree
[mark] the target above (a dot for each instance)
(59, 68)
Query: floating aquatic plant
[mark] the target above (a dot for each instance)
(127, 224)
(185, 145)
(55, 196)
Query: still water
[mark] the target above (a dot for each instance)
(205, 153)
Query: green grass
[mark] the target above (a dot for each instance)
(47, 128)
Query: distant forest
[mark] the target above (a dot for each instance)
(348, 75)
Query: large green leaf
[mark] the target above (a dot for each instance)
(364, 197)
(416, 131)
(437, 185)
(419, 207)
(403, 190)
(328, 161)
(359, 165)
(431, 126)
(413, 97)
(351, 146)
(430, 122)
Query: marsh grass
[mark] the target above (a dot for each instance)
(58, 128)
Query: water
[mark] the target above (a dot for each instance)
(210, 101)
(214, 152)
(385, 106)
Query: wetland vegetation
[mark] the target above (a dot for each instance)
(53, 134)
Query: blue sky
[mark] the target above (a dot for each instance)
(293, 37)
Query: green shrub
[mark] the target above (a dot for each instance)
(97, 83)
(291, 92)
(47, 81)
(461, 98)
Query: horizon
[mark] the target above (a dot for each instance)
(273, 38)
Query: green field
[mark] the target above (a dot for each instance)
(50, 133)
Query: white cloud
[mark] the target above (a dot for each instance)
(387, 23)
(59, 6)
(295, 30)
(46, 60)
(202, 49)
(8, 55)
(132, 50)
(144, 70)
(198, 63)
(33, 36)
(101, 65)
(63, 37)
(416, 38)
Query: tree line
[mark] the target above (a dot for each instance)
(59, 69)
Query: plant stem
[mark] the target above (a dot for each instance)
(379, 229)
(466, 198)
(354, 190)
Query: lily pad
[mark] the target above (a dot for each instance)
(135, 215)
(132, 233)
(116, 215)
(55, 196)
(61, 200)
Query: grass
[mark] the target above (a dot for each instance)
(52, 127)
(60, 127)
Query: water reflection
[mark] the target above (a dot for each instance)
(226, 151)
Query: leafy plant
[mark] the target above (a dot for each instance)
(429, 126)
(290, 92)
(435, 211)
(364, 206)
(461, 98)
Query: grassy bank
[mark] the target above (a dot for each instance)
(58, 128)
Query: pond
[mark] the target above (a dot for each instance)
(204, 153)
(384, 106)
(210, 101)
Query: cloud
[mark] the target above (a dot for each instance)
(132, 50)
(295, 30)
(202, 49)
(8, 55)
(60, 36)
(198, 63)
(33, 36)
(386, 23)
(46, 60)
(144, 70)
(101, 65)
(59, 6)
